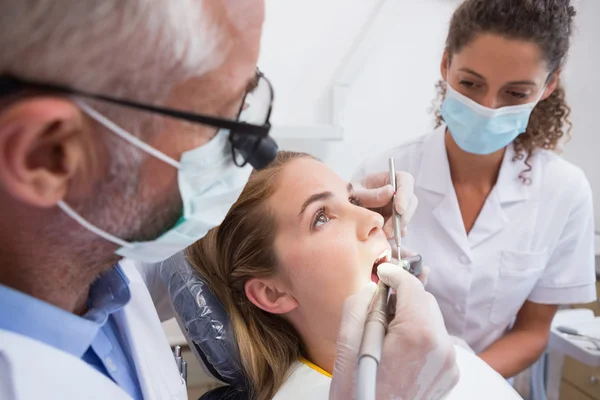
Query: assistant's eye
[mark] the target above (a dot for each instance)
(467, 84)
(355, 200)
(321, 218)
(518, 95)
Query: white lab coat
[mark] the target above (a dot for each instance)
(33, 370)
(477, 381)
(530, 242)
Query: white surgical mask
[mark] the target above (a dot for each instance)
(209, 184)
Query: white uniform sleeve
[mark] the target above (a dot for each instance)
(570, 276)
(158, 290)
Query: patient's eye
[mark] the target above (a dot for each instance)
(321, 218)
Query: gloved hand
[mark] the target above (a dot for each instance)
(405, 253)
(375, 192)
(418, 360)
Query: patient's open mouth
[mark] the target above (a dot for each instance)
(383, 258)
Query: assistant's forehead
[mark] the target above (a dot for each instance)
(495, 56)
(298, 180)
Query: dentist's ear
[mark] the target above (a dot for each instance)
(270, 296)
(41, 149)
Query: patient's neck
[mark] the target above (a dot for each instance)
(319, 350)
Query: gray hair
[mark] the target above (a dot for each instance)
(133, 49)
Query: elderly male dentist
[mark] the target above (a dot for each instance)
(117, 120)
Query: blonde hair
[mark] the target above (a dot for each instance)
(227, 257)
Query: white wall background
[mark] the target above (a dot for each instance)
(305, 42)
(582, 82)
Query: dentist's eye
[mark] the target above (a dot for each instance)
(356, 201)
(321, 218)
(467, 84)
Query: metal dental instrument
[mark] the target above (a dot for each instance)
(574, 332)
(413, 264)
(181, 363)
(395, 215)
(376, 325)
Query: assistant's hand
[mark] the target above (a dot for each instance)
(418, 360)
(375, 192)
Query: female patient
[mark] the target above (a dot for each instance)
(290, 251)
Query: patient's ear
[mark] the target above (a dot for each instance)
(270, 296)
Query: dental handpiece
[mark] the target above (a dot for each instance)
(369, 354)
(376, 325)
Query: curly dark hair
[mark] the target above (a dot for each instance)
(549, 23)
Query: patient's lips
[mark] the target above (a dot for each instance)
(384, 257)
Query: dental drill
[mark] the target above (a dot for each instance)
(369, 355)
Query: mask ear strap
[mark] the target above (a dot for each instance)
(92, 228)
(123, 134)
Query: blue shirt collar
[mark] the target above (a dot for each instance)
(28, 316)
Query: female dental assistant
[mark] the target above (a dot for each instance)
(505, 224)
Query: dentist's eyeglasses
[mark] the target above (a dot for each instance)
(249, 134)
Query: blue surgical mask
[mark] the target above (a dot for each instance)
(209, 183)
(480, 130)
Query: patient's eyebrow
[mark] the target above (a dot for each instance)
(320, 196)
(314, 198)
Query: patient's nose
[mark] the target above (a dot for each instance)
(368, 223)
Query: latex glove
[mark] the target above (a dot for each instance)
(405, 253)
(418, 359)
(375, 192)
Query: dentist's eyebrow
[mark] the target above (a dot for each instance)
(314, 198)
